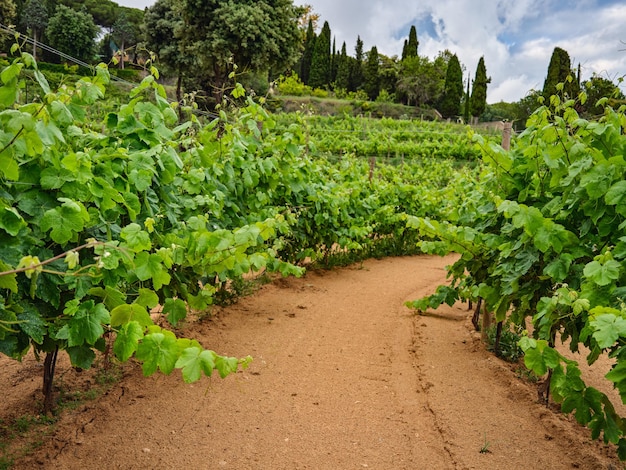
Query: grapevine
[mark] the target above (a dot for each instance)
(541, 239)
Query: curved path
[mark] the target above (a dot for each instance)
(344, 377)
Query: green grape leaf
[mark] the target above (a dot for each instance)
(193, 361)
(8, 165)
(559, 267)
(147, 298)
(608, 328)
(7, 281)
(11, 221)
(538, 356)
(85, 327)
(81, 356)
(617, 375)
(150, 266)
(32, 323)
(158, 350)
(226, 365)
(64, 221)
(616, 196)
(136, 239)
(127, 340)
(602, 274)
(110, 296)
(176, 310)
(126, 313)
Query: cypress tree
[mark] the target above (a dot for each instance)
(453, 89)
(307, 54)
(559, 69)
(343, 70)
(372, 79)
(320, 63)
(356, 71)
(404, 49)
(478, 101)
(412, 44)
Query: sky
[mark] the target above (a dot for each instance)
(515, 37)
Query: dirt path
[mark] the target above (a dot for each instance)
(344, 377)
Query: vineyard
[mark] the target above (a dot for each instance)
(391, 140)
(118, 222)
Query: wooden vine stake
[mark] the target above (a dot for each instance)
(372, 167)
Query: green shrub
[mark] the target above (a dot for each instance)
(319, 93)
(292, 85)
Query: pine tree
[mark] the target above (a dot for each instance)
(343, 70)
(320, 63)
(558, 71)
(453, 89)
(356, 71)
(372, 79)
(307, 54)
(478, 101)
(412, 44)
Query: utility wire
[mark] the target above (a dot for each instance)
(8, 31)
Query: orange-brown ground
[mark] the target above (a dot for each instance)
(344, 377)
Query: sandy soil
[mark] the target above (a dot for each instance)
(344, 377)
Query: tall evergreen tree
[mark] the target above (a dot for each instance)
(307, 54)
(35, 19)
(558, 70)
(404, 49)
(372, 79)
(356, 70)
(412, 44)
(320, 62)
(453, 89)
(342, 82)
(478, 101)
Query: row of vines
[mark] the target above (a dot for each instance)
(111, 217)
(392, 140)
(543, 244)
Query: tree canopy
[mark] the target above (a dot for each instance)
(250, 34)
(73, 32)
(559, 69)
(410, 46)
(478, 100)
(372, 80)
(307, 55)
(453, 89)
(320, 62)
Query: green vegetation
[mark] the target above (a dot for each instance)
(389, 140)
(109, 210)
(541, 240)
